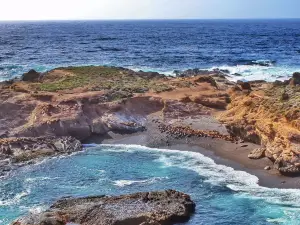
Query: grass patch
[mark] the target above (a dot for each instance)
(96, 78)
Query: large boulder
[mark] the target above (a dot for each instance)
(156, 208)
(31, 76)
(295, 79)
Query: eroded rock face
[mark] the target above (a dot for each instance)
(85, 101)
(155, 208)
(263, 116)
(19, 151)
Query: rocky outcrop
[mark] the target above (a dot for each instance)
(92, 101)
(196, 72)
(31, 76)
(16, 152)
(265, 117)
(295, 79)
(155, 208)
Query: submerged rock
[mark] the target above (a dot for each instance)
(156, 208)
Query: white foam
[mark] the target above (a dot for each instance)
(123, 183)
(258, 72)
(242, 182)
(16, 199)
(35, 179)
(37, 209)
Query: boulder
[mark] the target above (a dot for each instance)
(257, 153)
(31, 76)
(245, 85)
(156, 208)
(267, 168)
(295, 79)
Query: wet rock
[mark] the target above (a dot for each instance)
(192, 72)
(237, 74)
(19, 151)
(32, 75)
(257, 153)
(159, 208)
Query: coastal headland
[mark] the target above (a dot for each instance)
(252, 126)
(93, 102)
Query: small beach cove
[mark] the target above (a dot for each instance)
(122, 169)
(98, 130)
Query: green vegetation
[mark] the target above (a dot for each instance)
(96, 78)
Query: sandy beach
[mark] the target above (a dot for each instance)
(234, 155)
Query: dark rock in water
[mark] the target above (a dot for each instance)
(261, 63)
(295, 79)
(156, 208)
(237, 74)
(192, 72)
(19, 151)
(32, 75)
(196, 72)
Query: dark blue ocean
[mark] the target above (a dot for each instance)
(164, 46)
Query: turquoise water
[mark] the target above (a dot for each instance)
(222, 195)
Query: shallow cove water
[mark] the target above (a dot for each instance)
(222, 195)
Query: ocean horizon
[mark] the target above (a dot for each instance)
(249, 49)
(62, 113)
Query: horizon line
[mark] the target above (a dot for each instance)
(150, 19)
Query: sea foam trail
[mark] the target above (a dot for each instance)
(239, 181)
(123, 183)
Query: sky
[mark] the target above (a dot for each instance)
(146, 9)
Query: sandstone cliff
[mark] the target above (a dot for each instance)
(80, 102)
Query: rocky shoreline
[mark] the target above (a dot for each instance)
(81, 102)
(152, 208)
(49, 114)
(16, 152)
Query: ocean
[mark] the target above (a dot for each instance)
(249, 49)
(223, 195)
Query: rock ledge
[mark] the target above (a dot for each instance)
(155, 208)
